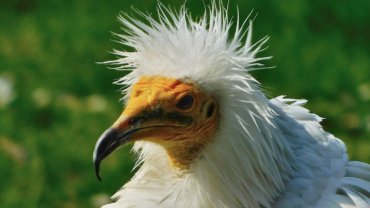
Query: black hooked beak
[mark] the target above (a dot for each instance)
(110, 140)
(123, 129)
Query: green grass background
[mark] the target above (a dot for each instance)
(62, 100)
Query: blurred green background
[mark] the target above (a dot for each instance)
(55, 100)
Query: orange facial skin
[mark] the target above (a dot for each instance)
(175, 114)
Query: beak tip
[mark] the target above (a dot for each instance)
(97, 170)
(103, 147)
(110, 140)
(96, 161)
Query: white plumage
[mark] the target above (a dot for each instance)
(266, 153)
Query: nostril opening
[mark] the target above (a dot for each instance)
(131, 121)
(135, 120)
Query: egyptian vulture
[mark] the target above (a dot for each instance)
(205, 134)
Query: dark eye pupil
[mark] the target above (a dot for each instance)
(185, 102)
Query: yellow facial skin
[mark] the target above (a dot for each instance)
(175, 114)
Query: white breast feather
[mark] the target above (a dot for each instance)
(267, 153)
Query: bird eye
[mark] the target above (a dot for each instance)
(185, 102)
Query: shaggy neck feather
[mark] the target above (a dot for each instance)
(245, 165)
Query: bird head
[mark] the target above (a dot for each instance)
(184, 78)
(192, 107)
(173, 113)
